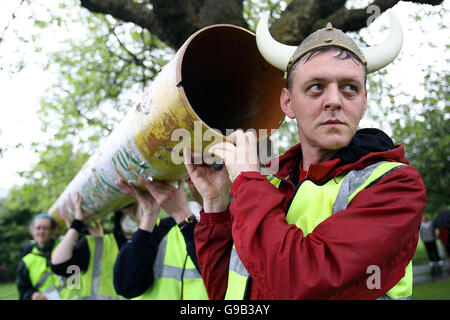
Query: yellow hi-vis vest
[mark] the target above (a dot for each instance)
(42, 277)
(97, 282)
(318, 202)
(174, 273)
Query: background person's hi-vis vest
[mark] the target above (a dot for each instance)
(97, 282)
(42, 277)
(175, 275)
(318, 203)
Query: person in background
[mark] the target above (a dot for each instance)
(95, 254)
(444, 236)
(428, 237)
(159, 262)
(35, 280)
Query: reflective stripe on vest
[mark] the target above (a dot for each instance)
(333, 198)
(42, 280)
(174, 273)
(355, 180)
(161, 270)
(97, 281)
(41, 276)
(386, 297)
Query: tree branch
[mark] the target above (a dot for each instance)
(184, 17)
(220, 11)
(13, 16)
(174, 21)
(353, 19)
(327, 7)
(180, 19)
(302, 17)
(356, 19)
(137, 61)
(128, 11)
(171, 21)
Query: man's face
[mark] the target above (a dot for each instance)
(328, 99)
(42, 231)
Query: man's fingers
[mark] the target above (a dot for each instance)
(236, 136)
(187, 157)
(144, 181)
(122, 185)
(223, 150)
(147, 184)
(77, 199)
(252, 145)
(192, 160)
(250, 135)
(127, 187)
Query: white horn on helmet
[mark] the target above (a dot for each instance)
(276, 53)
(381, 55)
(280, 55)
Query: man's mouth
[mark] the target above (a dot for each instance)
(332, 122)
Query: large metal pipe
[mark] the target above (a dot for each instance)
(217, 79)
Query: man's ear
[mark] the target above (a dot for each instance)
(286, 103)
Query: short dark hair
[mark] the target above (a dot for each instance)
(343, 54)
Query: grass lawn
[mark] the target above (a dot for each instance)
(8, 291)
(420, 256)
(438, 290)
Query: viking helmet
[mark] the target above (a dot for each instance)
(284, 57)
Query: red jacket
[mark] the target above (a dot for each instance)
(379, 227)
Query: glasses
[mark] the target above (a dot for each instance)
(42, 228)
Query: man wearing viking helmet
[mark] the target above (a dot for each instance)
(340, 217)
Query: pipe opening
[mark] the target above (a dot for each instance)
(227, 82)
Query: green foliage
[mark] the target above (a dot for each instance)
(286, 137)
(47, 179)
(58, 164)
(13, 235)
(423, 127)
(100, 78)
(254, 8)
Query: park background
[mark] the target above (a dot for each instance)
(70, 70)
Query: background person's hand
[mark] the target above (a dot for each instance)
(97, 230)
(170, 198)
(147, 205)
(146, 202)
(80, 214)
(38, 296)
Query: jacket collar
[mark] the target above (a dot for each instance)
(367, 147)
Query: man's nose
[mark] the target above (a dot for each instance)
(332, 98)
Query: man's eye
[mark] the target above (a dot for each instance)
(315, 88)
(350, 88)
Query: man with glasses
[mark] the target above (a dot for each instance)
(35, 280)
